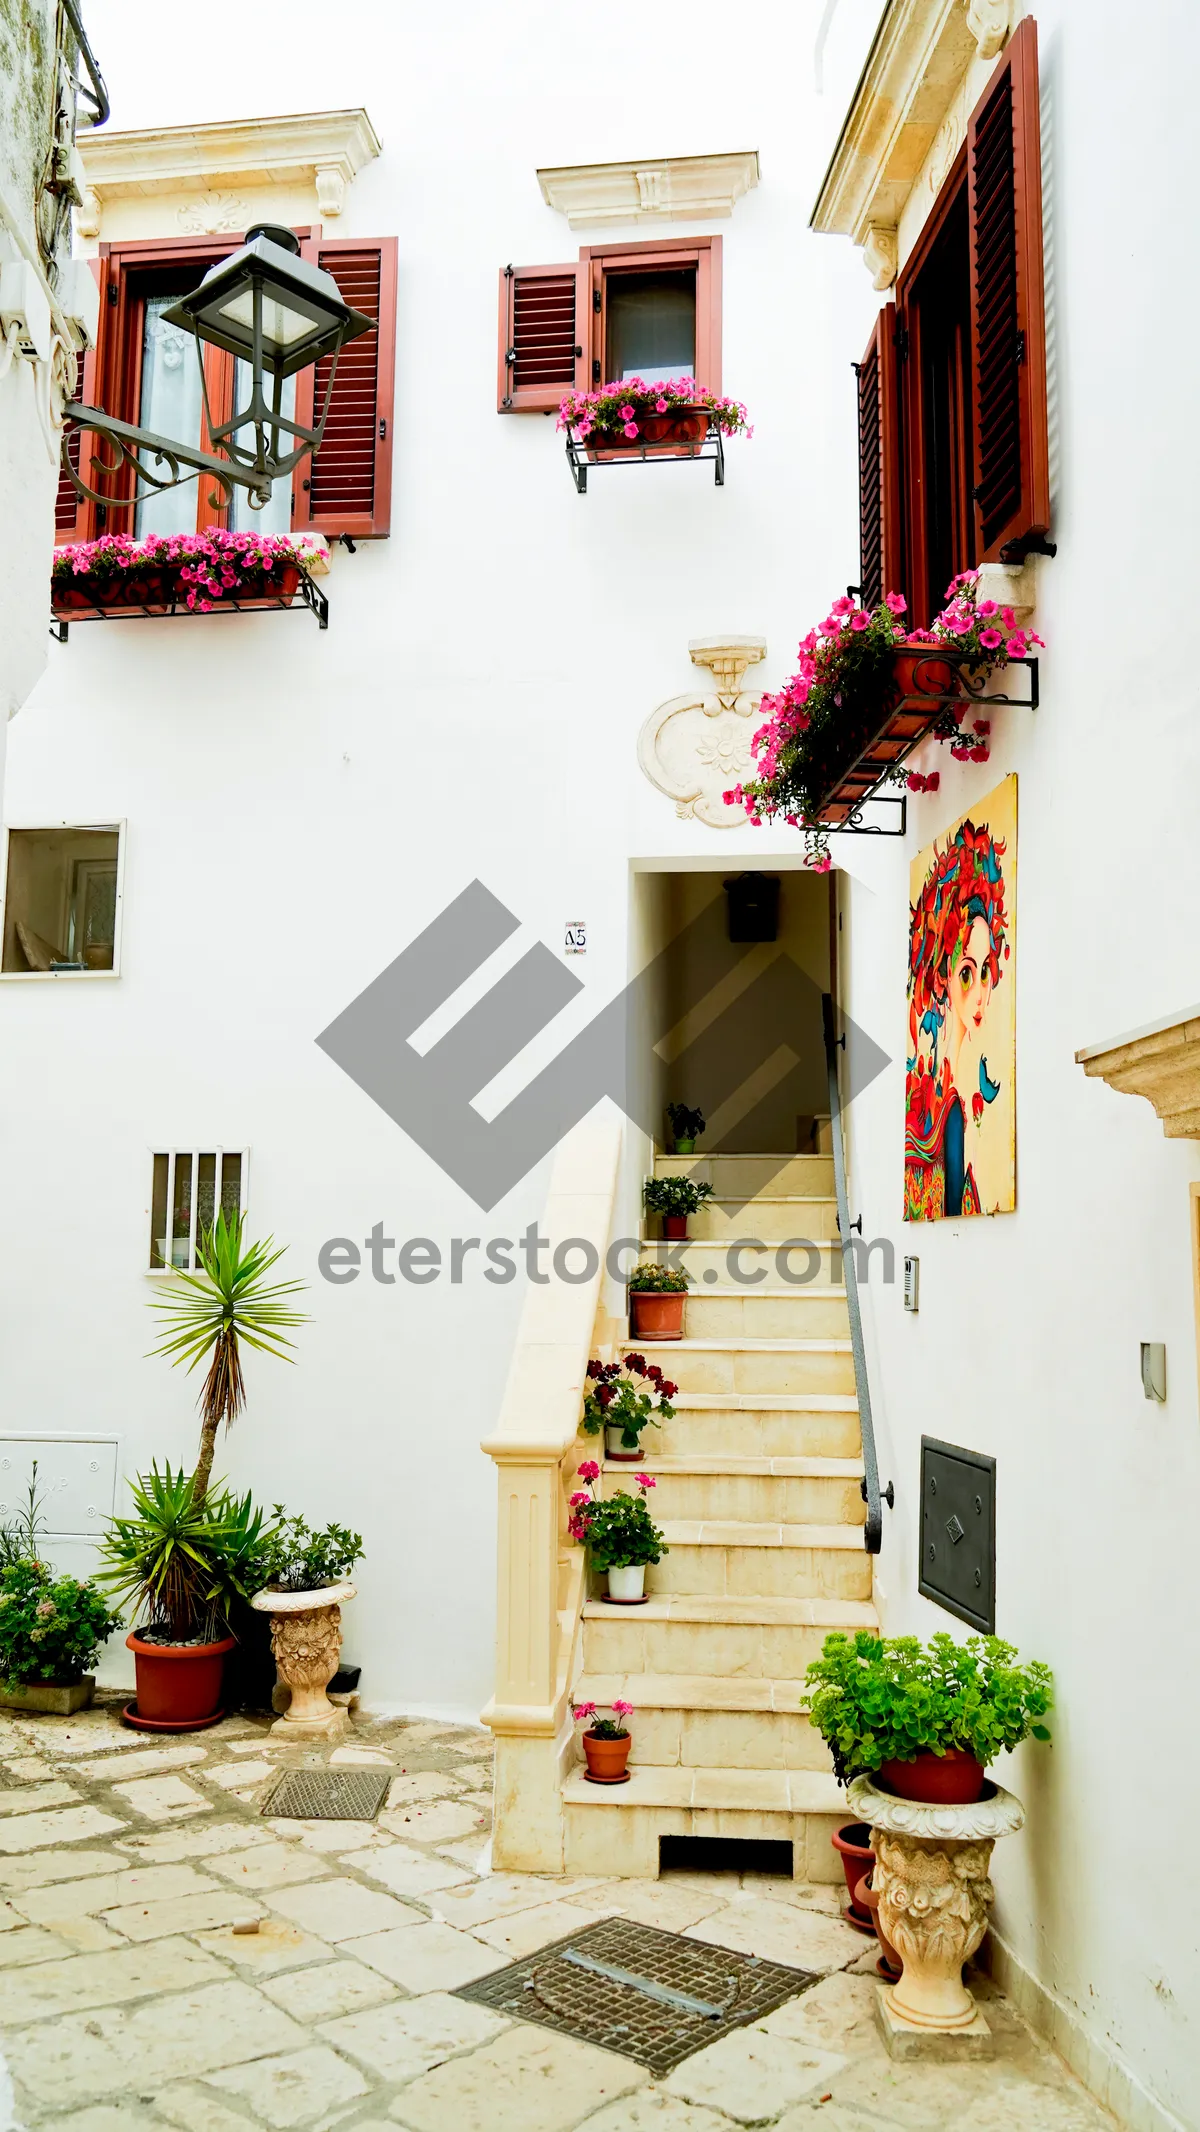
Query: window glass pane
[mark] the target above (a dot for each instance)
(171, 404)
(651, 325)
(205, 1195)
(181, 1219)
(60, 904)
(276, 516)
(158, 1213)
(231, 1186)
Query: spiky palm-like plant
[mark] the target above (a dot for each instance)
(210, 1314)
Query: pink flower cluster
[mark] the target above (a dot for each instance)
(619, 409)
(208, 563)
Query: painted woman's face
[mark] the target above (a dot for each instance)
(970, 979)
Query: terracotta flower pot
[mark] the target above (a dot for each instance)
(606, 1759)
(921, 671)
(67, 598)
(178, 1685)
(852, 1846)
(283, 583)
(657, 1317)
(951, 1779)
(889, 1964)
(682, 425)
(675, 1226)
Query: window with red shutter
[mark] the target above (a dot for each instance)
(881, 567)
(543, 336)
(1011, 467)
(347, 486)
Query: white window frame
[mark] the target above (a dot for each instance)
(174, 1156)
(61, 977)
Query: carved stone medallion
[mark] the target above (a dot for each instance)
(695, 747)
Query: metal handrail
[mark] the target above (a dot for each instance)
(873, 1497)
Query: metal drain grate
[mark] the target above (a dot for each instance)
(328, 1795)
(652, 1996)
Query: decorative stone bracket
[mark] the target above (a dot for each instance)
(695, 747)
(1161, 1063)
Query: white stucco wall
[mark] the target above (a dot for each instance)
(1027, 1341)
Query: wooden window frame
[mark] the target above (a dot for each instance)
(119, 829)
(704, 253)
(878, 372)
(174, 1156)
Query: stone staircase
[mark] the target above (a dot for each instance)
(757, 1491)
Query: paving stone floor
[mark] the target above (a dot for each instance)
(129, 2000)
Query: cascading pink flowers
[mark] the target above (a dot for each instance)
(207, 563)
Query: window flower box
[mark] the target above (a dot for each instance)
(866, 694)
(194, 572)
(673, 419)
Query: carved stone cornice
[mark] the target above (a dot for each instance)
(684, 188)
(914, 71)
(695, 747)
(321, 149)
(1161, 1063)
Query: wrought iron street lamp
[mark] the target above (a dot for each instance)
(278, 314)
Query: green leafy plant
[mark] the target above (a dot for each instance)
(210, 1315)
(182, 1558)
(18, 1535)
(887, 1699)
(686, 1124)
(51, 1628)
(659, 1280)
(618, 1529)
(293, 1557)
(616, 1399)
(673, 1195)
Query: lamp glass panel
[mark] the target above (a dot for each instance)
(280, 323)
(171, 406)
(276, 516)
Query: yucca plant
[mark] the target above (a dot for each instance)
(211, 1313)
(181, 1558)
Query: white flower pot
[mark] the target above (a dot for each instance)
(628, 1582)
(614, 1448)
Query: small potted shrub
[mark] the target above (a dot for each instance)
(619, 1533)
(617, 1403)
(302, 1581)
(180, 1560)
(657, 1295)
(606, 1741)
(51, 1628)
(674, 1198)
(686, 1127)
(924, 1721)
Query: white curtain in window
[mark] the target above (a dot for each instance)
(171, 405)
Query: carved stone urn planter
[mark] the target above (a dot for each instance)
(306, 1638)
(931, 1878)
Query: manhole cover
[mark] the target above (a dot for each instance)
(650, 1995)
(328, 1795)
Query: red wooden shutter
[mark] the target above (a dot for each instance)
(74, 516)
(879, 508)
(347, 487)
(1008, 324)
(542, 336)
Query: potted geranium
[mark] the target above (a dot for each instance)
(687, 1124)
(617, 1403)
(656, 1298)
(180, 1558)
(302, 1580)
(619, 1533)
(671, 416)
(606, 1741)
(674, 1198)
(866, 692)
(924, 1721)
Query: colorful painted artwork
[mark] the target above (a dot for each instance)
(960, 1148)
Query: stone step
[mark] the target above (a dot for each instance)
(622, 1824)
(770, 1216)
(789, 1491)
(731, 1312)
(710, 1721)
(746, 1176)
(688, 1634)
(725, 1557)
(760, 1425)
(744, 1365)
(796, 1272)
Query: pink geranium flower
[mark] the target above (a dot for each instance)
(589, 1470)
(620, 1709)
(896, 601)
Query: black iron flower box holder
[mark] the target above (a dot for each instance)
(648, 455)
(926, 707)
(308, 598)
